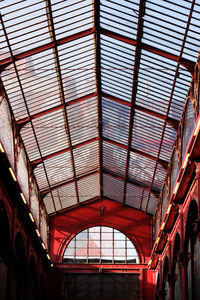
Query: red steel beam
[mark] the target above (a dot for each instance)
(51, 45)
(188, 64)
(46, 191)
(134, 90)
(174, 123)
(61, 88)
(96, 5)
(155, 192)
(25, 120)
(38, 161)
(162, 162)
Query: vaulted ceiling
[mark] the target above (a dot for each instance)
(97, 89)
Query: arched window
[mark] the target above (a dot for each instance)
(101, 245)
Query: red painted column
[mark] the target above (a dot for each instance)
(183, 258)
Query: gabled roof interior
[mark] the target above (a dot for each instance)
(97, 89)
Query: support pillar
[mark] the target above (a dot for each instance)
(171, 278)
(183, 258)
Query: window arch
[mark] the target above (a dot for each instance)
(100, 244)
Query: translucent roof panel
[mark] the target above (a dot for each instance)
(88, 187)
(115, 119)
(114, 158)
(147, 132)
(113, 187)
(78, 16)
(120, 17)
(26, 24)
(141, 169)
(82, 118)
(164, 24)
(117, 59)
(97, 89)
(86, 158)
(135, 196)
(77, 67)
(155, 81)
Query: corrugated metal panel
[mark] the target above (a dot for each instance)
(113, 187)
(115, 118)
(117, 68)
(82, 118)
(141, 168)
(88, 187)
(86, 158)
(78, 16)
(114, 158)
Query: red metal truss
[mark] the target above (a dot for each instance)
(134, 89)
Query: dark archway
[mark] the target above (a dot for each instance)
(165, 285)
(190, 248)
(33, 280)
(176, 271)
(20, 267)
(5, 251)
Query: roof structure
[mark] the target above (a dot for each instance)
(97, 89)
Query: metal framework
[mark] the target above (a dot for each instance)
(97, 89)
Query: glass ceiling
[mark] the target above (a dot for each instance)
(97, 89)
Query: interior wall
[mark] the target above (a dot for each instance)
(133, 223)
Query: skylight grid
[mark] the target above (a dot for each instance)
(141, 168)
(191, 47)
(162, 39)
(114, 159)
(51, 133)
(135, 195)
(48, 201)
(41, 178)
(59, 168)
(64, 196)
(160, 176)
(147, 132)
(113, 16)
(115, 121)
(88, 187)
(113, 188)
(78, 16)
(78, 60)
(31, 28)
(167, 143)
(153, 202)
(86, 158)
(82, 117)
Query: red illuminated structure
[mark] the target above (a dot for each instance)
(99, 126)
